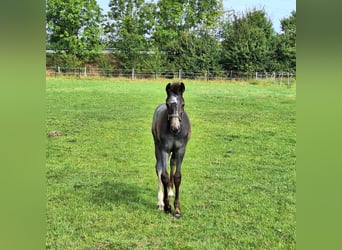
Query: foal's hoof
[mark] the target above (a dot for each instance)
(160, 207)
(167, 210)
(177, 216)
(177, 213)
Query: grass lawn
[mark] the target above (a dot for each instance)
(239, 177)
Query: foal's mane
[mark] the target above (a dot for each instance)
(176, 88)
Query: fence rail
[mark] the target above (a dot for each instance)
(280, 77)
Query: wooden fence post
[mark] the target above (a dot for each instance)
(281, 78)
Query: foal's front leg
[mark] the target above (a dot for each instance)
(166, 180)
(160, 167)
(160, 191)
(163, 180)
(178, 179)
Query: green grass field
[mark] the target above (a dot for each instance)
(239, 180)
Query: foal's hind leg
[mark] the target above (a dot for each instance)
(172, 172)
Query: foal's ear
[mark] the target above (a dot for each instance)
(182, 87)
(168, 88)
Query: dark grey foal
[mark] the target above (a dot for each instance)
(171, 131)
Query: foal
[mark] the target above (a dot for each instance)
(171, 131)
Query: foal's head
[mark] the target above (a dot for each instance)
(175, 105)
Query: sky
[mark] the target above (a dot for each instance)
(275, 9)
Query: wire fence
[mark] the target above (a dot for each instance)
(276, 77)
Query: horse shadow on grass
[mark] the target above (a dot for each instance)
(119, 193)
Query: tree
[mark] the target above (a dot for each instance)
(165, 33)
(130, 25)
(199, 51)
(179, 29)
(248, 42)
(74, 29)
(286, 44)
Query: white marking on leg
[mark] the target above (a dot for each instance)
(160, 193)
(170, 192)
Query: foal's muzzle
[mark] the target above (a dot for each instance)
(175, 123)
